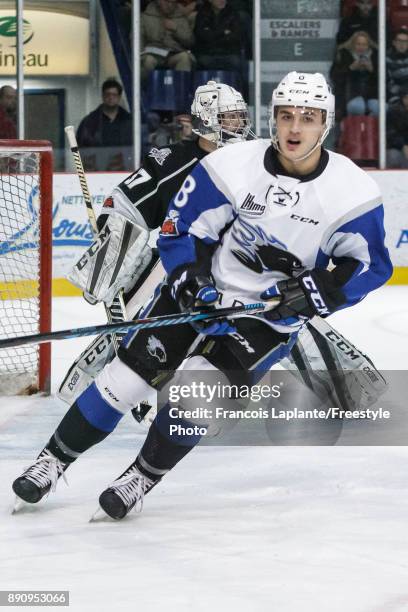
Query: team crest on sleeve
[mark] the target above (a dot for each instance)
(108, 203)
(159, 155)
(169, 227)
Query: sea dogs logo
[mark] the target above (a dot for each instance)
(156, 349)
(260, 251)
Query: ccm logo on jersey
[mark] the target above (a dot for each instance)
(103, 238)
(304, 219)
(315, 296)
(250, 207)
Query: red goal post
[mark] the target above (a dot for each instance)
(26, 170)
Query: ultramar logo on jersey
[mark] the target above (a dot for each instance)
(315, 296)
(252, 208)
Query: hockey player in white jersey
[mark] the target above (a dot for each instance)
(259, 221)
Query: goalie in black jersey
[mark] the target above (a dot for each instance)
(220, 117)
(143, 198)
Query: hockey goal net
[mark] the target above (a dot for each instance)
(25, 262)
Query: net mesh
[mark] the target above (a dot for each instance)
(19, 268)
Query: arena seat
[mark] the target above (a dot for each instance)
(169, 90)
(359, 138)
(348, 5)
(399, 16)
(395, 5)
(200, 77)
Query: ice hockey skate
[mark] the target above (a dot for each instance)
(38, 479)
(125, 493)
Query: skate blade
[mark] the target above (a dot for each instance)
(19, 504)
(100, 516)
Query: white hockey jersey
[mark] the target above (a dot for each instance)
(265, 226)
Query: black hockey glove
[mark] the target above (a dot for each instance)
(199, 293)
(312, 293)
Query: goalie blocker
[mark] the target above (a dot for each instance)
(114, 261)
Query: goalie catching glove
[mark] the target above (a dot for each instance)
(114, 261)
(312, 293)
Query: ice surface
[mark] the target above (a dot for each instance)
(253, 529)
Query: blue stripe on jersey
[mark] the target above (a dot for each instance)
(371, 227)
(97, 411)
(322, 260)
(188, 205)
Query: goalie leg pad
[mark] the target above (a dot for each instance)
(324, 359)
(114, 261)
(84, 369)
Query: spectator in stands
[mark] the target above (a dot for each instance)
(166, 37)
(124, 10)
(397, 132)
(189, 10)
(218, 36)
(184, 127)
(397, 65)
(8, 108)
(109, 129)
(354, 77)
(363, 18)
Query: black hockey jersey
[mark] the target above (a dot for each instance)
(144, 196)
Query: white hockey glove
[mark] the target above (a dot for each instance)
(114, 261)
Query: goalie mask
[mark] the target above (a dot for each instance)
(220, 114)
(305, 91)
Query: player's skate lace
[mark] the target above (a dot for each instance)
(45, 470)
(131, 488)
(125, 493)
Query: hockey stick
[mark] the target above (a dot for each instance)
(125, 326)
(117, 311)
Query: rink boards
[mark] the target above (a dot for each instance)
(72, 233)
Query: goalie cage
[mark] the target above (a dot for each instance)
(25, 262)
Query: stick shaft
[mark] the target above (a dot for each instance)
(125, 326)
(117, 311)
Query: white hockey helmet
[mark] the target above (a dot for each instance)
(220, 114)
(303, 89)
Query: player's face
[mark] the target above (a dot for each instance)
(233, 121)
(299, 129)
